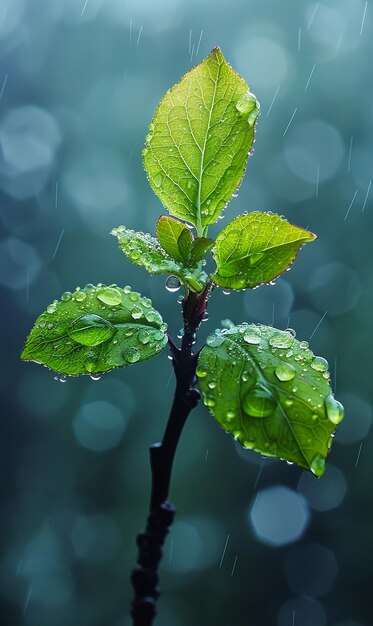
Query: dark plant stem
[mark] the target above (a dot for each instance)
(161, 512)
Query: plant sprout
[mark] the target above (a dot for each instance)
(262, 385)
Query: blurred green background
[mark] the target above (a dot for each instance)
(256, 542)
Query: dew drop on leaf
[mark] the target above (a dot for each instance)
(281, 340)
(51, 308)
(66, 296)
(209, 400)
(259, 402)
(320, 364)
(252, 336)
(79, 296)
(334, 409)
(136, 312)
(132, 355)
(90, 330)
(201, 371)
(172, 284)
(214, 340)
(285, 372)
(109, 296)
(143, 337)
(318, 465)
(95, 376)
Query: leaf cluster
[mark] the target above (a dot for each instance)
(262, 385)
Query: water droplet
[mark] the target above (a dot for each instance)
(66, 296)
(289, 402)
(285, 372)
(51, 308)
(214, 340)
(205, 316)
(180, 334)
(320, 364)
(209, 400)
(109, 296)
(226, 292)
(79, 296)
(201, 371)
(248, 105)
(334, 409)
(95, 376)
(151, 316)
(303, 345)
(90, 330)
(212, 384)
(259, 402)
(133, 296)
(172, 284)
(231, 414)
(132, 355)
(143, 337)
(281, 340)
(136, 312)
(158, 180)
(318, 465)
(89, 287)
(252, 336)
(291, 331)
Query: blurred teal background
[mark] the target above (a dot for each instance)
(256, 542)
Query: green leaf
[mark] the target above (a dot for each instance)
(255, 248)
(175, 238)
(185, 243)
(144, 250)
(269, 391)
(199, 248)
(196, 150)
(95, 330)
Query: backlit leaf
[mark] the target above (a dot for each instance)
(199, 139)
(255, 248)
(269, 391)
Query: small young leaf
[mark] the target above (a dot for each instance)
(255, 248)
(184, 244)
(269, 391)
(199, 248)
(196, 150)
(94, 330)
(144, 250)
(168, 232)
